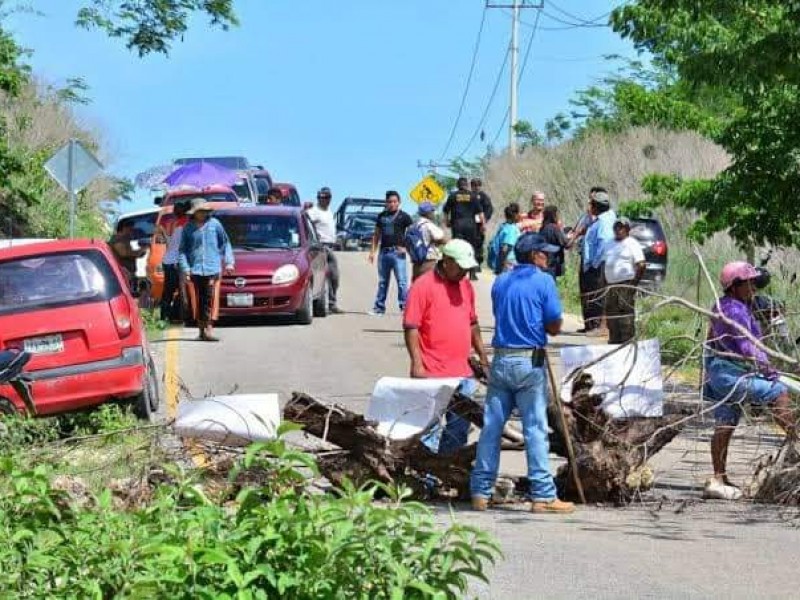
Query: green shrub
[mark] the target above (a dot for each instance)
(267, 545)
(678, 329)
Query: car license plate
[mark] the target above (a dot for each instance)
(240, 300)
(48, 344)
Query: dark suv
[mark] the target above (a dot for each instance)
(649, 233)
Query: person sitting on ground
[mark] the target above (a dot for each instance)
(624, 268)
(432, 236)
(553, 233)
(501, 248)
(738, 371)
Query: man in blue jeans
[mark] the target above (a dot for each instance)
(389, 238)
(526, 308)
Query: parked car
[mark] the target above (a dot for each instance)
(281, 267)
(66, 302)
(218, 197)
(650, 235)
(357, 232)
(357, 206)
(144, 225)
(212, 193)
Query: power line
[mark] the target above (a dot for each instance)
(521, 72)
(466, 86)
(479, 128)
(579, 20)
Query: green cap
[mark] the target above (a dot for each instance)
(461, 252)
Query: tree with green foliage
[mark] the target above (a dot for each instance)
(749, 50)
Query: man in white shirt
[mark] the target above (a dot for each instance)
(624, 267)
(322, 217)
(432, 235)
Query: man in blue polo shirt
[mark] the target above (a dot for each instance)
(526, 308)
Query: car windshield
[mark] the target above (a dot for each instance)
(52, 280)
(143, 225)
(262, 231)
(208, 197)
(242, 190)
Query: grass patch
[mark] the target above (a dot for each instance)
(154, 326)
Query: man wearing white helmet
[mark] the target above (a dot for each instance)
(738, 371)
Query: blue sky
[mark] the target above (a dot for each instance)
(348, 94)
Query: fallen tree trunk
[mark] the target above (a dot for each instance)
(611, 455)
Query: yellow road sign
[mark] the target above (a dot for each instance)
(428, 190)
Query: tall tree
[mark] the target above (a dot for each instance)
(750, 48)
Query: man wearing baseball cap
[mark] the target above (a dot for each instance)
(432, 238)
(325, 224)
(526, 309)
(441, 329)
(624, 267)
(598, 236)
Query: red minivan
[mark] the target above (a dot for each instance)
(66, 302)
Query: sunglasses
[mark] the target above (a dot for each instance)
(323, 197)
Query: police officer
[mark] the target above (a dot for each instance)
(463, 214)
(488, 210)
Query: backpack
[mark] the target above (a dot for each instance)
(493, 254)
(415, 244)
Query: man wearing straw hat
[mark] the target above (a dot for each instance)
(204, 249)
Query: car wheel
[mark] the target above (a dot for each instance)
(321, 303)
(305, 315)
(146, 403)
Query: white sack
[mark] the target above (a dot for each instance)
(231, 420)
(403, 407)
(639, 367)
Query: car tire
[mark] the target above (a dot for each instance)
(146, 403)
(305, 314)
(321, 303)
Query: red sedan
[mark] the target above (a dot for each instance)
(67, 303)
(281, 267)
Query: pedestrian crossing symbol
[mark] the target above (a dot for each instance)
(428, 190)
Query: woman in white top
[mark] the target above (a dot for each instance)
(624, 267)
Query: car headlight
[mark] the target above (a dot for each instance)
(286, 274)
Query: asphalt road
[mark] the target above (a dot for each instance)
(682, 547)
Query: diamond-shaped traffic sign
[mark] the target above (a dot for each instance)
(428, 190)
(83, 167)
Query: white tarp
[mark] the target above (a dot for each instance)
(629, 380)
(403, 407)
(231, 420)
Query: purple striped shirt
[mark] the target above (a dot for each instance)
(726, 338)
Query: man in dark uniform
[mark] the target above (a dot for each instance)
(488, 210)
(463, 214)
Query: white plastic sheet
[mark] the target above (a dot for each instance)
(629, 380)
(235, 420)
(404, 407)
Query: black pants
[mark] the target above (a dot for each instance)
(479, 253)
(620, 312)
(472, 236)
(204, 289)
(333, 277)
(583, 289)
(171, 307)
(595, 282)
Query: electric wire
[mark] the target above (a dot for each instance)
(577, 19)
(466, 86)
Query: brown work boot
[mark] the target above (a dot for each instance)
(479, 503)
(553, 506)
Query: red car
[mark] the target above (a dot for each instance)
(68, 305)
(281, 268)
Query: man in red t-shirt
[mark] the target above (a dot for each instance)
(441, 329)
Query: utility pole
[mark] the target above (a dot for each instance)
(516, 6)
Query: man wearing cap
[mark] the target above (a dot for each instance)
(476, 185)
(432, 237)
(598, 235)
(578, 237)
(204, 249)
(441, 329)
(324, 222)
(624, 267)
(463, 214)
(170, 234)
(738, 371)
(526, 309)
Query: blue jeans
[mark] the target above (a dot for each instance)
(731, 385)
(456, 429)
(390, 260)
(514, 381)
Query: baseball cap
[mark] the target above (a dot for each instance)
(533, 242)
(426, 208)
(461, 252)
(602, 199)
(624, 221)
(325, 191)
